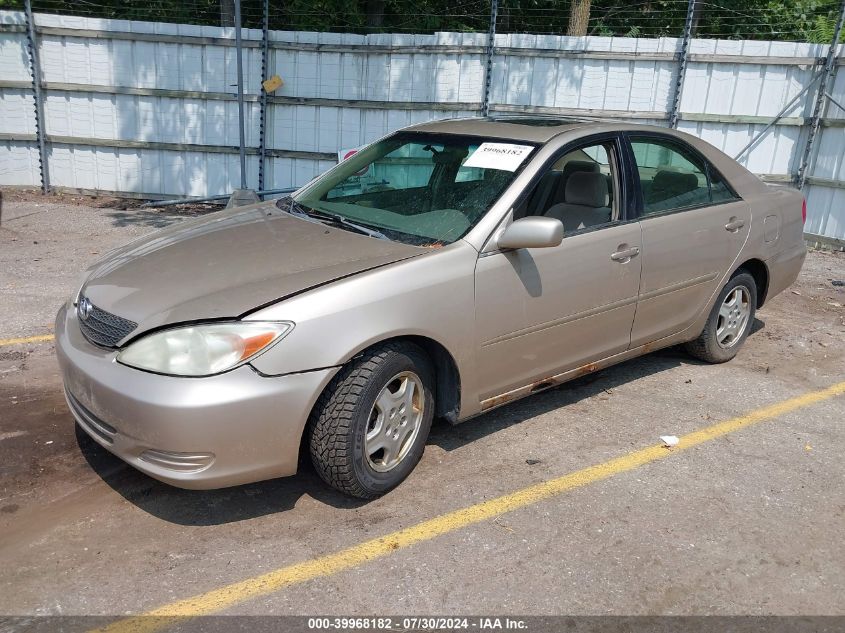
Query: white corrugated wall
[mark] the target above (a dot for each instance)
(826, 204)
(368, 86)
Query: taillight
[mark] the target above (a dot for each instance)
(804, 211)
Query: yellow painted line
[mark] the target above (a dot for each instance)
(217, 600)
(27, 339)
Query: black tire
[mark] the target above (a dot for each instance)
(706, 347)
(340, 419)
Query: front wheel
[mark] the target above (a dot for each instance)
(729, 321)
(368, 429)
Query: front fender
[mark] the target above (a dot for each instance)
(431, 296)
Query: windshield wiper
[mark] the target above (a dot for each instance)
(301, 210)
(293, 207)
(339, 219)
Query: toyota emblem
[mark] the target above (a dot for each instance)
(84, 308)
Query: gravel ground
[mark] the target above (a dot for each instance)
(46, 243)
(751, 523)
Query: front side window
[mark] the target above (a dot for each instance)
(579, 189)
(421, 189)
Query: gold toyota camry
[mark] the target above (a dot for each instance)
(444, 270)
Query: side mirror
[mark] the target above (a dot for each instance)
(531, 232)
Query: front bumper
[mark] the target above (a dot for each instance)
(201, 433)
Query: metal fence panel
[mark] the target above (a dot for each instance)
(150, 108)
(826, 191)
(18, 158)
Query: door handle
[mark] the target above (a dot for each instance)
(734, 225)
(625, 255)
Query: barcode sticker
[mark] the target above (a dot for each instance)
(504, 156)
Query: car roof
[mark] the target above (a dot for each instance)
(537, 129)
(517, 128)
(542, 129)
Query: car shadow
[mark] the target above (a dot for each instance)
(208, 507)
(157, 219)
(230, 505)
(449, 437)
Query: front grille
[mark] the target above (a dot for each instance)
(103, 328)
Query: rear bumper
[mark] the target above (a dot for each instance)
(224, 430)
(784, 269)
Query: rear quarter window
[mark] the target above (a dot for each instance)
(719, 190)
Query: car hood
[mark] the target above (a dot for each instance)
(228, 264)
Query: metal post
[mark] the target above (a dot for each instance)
(35, 69)
(815, 122)
(491, 41)
(682, 66)
(778, 117)
(239, 57)
(834, 101)
(262, 124)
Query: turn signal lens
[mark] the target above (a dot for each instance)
(203, 350)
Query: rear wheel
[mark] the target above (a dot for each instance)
(368, 429)
(729, 321)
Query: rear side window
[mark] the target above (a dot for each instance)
(719, 191)
(673, 179)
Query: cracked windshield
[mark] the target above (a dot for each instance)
(425, 190)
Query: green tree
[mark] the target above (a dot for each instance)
(797, 20)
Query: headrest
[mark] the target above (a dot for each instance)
(588, 189)
(578, 165)
(674, 183)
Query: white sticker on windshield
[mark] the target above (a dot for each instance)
(504, 156)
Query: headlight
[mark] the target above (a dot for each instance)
(203, 350)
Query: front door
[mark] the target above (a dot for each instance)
(543, 311)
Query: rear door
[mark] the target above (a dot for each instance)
(693, 227)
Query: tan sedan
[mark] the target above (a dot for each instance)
(444, 270)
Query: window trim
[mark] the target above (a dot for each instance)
(670, 140)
